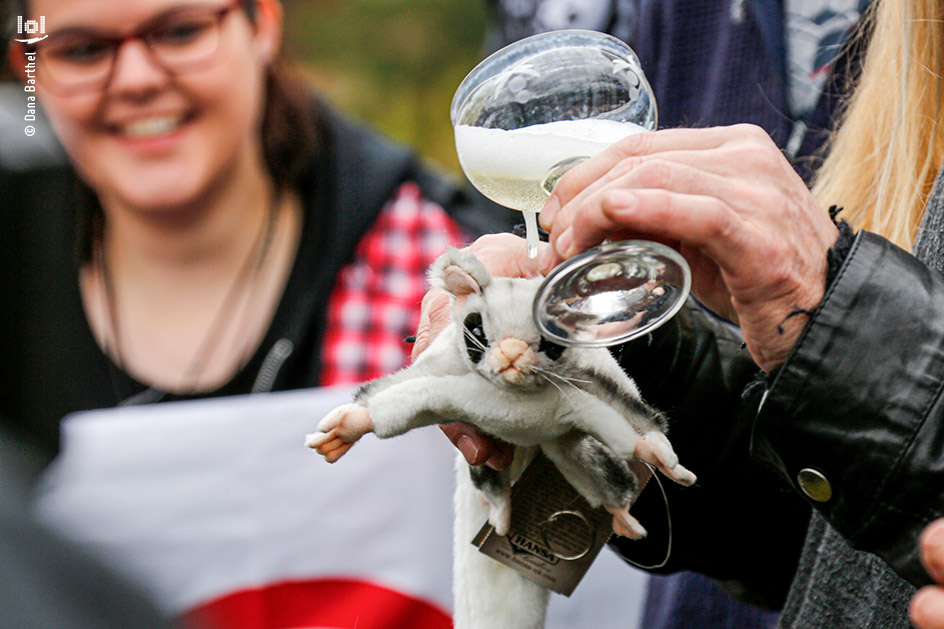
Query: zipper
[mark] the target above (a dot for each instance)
(271, 365)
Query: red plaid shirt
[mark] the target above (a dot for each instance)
(376, 299)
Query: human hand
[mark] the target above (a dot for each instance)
(927, 606)
(727, 199)
(479, 449)
(503, 255)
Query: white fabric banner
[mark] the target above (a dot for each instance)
(218, 509)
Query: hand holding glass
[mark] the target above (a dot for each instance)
(525, 116)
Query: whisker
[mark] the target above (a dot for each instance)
(546, 375)
(569, 380)
(474, 340)
(549, 376)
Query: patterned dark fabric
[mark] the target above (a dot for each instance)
(517, 19)
(375, 302)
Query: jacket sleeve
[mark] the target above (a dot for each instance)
(739, 524)
(854, 416)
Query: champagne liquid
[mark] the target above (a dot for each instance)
(510, 166)
(522, 194)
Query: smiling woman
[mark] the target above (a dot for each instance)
(205, 176)
(227, 221)
(141, 94)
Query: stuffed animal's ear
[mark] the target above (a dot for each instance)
(460, 273)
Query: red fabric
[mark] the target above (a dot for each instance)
(322, 603)
(376, 299)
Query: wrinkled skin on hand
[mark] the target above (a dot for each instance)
(725, 197)
(927, 606)
(503, 255)
(728, 200)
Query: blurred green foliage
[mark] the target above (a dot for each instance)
(392, 63)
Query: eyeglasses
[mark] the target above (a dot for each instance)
(83, 59)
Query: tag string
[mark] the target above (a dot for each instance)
(668, 518)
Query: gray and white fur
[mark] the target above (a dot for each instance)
(491, 369)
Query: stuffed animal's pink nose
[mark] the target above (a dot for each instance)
(512, 348)
(512, 358)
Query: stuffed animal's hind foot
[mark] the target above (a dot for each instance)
(495, 489)
(625, 524)
(499, 516)
(654, 448)
(339, 430)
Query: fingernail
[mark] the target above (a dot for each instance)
(565, 243)
(469, 449)
(548, 212)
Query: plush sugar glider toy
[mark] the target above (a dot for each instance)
(491, 369)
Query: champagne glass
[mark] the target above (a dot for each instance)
(526, 115)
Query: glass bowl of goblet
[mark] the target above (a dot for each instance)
(525, 116)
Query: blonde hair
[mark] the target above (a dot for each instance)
(884, 158)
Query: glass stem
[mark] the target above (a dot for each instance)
(531, 231)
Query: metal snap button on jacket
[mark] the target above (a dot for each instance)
(814, 485)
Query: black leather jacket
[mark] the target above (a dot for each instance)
(858, 401)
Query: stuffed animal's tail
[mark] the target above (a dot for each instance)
(487, 594)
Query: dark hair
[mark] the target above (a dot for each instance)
(291, 132)
(290, 121)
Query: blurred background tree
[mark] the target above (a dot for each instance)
(392, 63)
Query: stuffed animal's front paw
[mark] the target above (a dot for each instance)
(340, 430)
(654, 448)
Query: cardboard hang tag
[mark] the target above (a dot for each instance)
(555, 535)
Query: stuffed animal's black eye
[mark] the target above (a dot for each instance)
(550, 349)
(475, 341)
